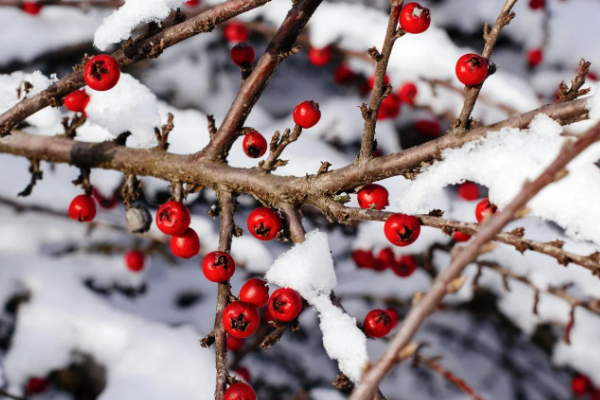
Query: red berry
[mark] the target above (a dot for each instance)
(243, 55)
(468, 191)
(77, 101)
(218, 266)
(459, 236)
(537, 4)
(394, 315)
(319, 57)
(173, 218)
(254, 144)
(373, 196)
(592, 76)
(236, 32)
(307, 114)
(240, 391)
(378, 323)
(344, 76)
(363, 258)
(471, 69)
(255, 291)
(102, 72)
(32, 8)
(535, 57)
(267, 315)
(401, 229)
(386, 81)
(234, 344)
(580, 385)
(385, 259)
(83, 208)
(414, 18)
(243, 373)
(192, 3)
(107, 203)
(428, 128)
(390, 107)
(484, 210)
(135, 260)
(37, 385)
(264, 223)
(407, 93)
(240, 319)
(285, 304)
(186, 245)
(595, 395)
(405, 266)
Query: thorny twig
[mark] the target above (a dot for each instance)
(162, 134)
(36, 175)
(72, 125)
(276, 147)
(565, 93)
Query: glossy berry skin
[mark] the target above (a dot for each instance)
(385, 259)
(285, 304)
(319, 57)
(32, 8)
(484, 210)
(378, 323)
(471, 69)
(390, 107)
(243, 373)
(255, 291)
(102, 72)
(405, 266)
(468, 191)
(343, 75)
(401, 229)
(307, 114)
(37, 385)
(254, 144)
(106, 203)
(428, 128)
(460, 237)
(218, 266)
(264, 223)
(537, 4)
(243, 55)
(135, 260)
(535, 57)
(394, 315)
(240, 391)
(234, 344)
(236, 32)
(386, 81)
(82, 208)
(407, 93)
(186, 245)
(173, 218)
(240, 319)
(373, 196)
(414, 18)
(580, 385)
(77, 101)
(363, 258)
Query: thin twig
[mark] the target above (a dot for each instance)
(448, 375)
(276, 147)
(565, 93)
(36, 175)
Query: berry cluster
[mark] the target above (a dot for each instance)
(403, 266)
(173, 218)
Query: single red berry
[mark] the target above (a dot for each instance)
(234, 344)
(32, 8)
(595, 395)
(83, 208)
(255, 291)
(240, 391)
(378, 323)
(407, 93)
(344, 76)
(107, 203)
(394, 315)
(405, 266)
(37, 385)
(307, 114)
(254, 144)
(390, 107)
(428, 128)
(243, 55)
(135, 260)
(185, 245)
(240, 319)
(102, 72)
(414, 18)
(285, 304)
(471, 69)
(386, 81)
(592, 76)
(373, 196)
(459, 236)
(264, 223)
(173, 218)
(401, 229)
(319, 57)
(243, 373)
(484, 210)
(537, 4)
(535, 57)
(218, 266)
(77, 101)
(468, 191)
(580, 385)
(385, 259)
(363, 258)
(236, 31)
(192, 3)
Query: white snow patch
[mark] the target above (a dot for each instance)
(593, 103)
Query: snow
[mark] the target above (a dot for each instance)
(594, 103)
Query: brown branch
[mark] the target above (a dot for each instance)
(276, 147)
(490, 36)
(371, 112)
(162, 134)
(565, 93)
(432, 364)
(140, 50)
(253, 86)
(36, 175)
(490, 228)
